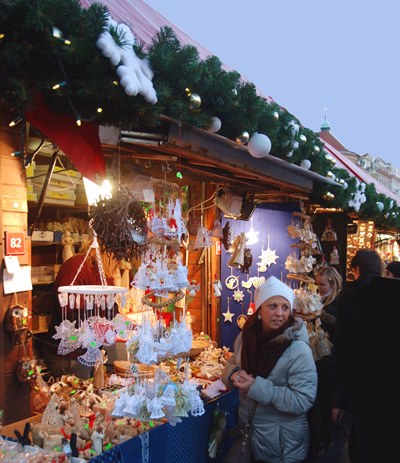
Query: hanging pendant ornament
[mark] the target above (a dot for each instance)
(252, 306)
(238, 295)
(251, 236)
(247, 284)
(258, 281)
(242, 319)
(194, 101)
(227, 315)
(268, 257)
(243, 138)
(232, 281)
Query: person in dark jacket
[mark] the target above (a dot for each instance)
(366, 266)
(319, 417)
(392, 270)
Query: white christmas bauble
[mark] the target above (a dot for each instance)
(305, 164)
(259, 145)
(380, 206)
(345, 185)
(215, 124)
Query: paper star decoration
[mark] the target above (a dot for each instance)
(228, 316)
(238, 295)
(267, 257)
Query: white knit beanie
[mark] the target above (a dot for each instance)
(273, 287)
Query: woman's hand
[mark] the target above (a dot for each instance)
(242, 381)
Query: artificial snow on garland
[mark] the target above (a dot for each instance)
(135, 73)
(358, 197)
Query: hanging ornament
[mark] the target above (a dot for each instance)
(243, 138)
(247, 284)
(215, 124)
(193, 288)
(251, 236)
(268, 257)
(257, 281)
(227, 315)
(259, 145)
(232, 281)
(242, 319)
(217, 288)
(238, 296)
(234, 92)
(334, 257)
(252, 307)
(247, 261)
(276, 115)
(380, 206)
(305, 164)
(303, 139)
(194, 101)
(316, 150)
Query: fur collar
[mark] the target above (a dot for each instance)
(291, 333)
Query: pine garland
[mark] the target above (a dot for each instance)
(33, 60)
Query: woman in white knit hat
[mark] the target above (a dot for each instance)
(272, 365)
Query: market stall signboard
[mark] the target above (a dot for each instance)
(15, 243)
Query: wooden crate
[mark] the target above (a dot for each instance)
(20, 426)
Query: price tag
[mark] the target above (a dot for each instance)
(15, 243)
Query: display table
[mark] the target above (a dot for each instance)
(186, 442)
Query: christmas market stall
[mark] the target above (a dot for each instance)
(136, 145)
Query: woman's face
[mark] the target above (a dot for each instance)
(324, 285)
(274, 313)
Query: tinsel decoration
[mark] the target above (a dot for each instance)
(120, 224)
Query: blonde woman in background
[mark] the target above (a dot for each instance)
(320, 419)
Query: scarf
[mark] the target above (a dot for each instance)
(260, 350)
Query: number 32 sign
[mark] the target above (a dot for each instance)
(15, 243)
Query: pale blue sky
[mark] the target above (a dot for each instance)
(310, 55)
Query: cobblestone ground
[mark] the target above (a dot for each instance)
(338, 453)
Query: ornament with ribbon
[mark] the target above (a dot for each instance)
(242, 319)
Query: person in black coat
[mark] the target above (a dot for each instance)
(352, 340)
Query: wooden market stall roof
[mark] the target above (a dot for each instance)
(205, 155)
(146, 22)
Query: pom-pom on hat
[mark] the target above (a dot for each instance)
(273, 287)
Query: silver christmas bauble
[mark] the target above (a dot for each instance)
(316, 150)
(303, 139)
(328, 157)
(194, 101)
(276, 115)
(243, 138)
